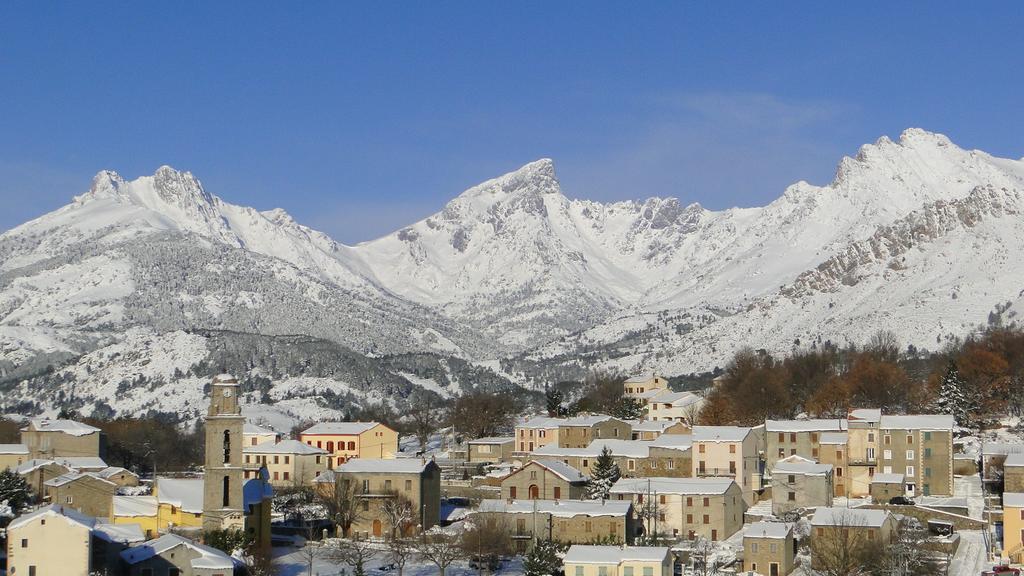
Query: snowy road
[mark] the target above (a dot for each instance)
(970, 558)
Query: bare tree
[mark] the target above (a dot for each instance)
(311, 552)
(486, 541)
(354, 552)
(343, 504)
(704, 561)
(441, 548)
(425, 415)
(841, 548)
(400, 551)
(399, 513)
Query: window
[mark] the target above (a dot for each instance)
(753, 548)
(792, 437)
(631, 465)
(277, 459)
(792, 479)
(689, 517)
(387, 485)
(887, 439)
(927, 472)
(927, 436)
(910, 438)
(792, 451)
(319, 444)
(588, 526)
(814, 436)
(707, 501)
(887, 454)
(586, 464)
(910, 454)
(871, 437)
(408, 485)
(782, 452)
(275, 476)
(782, 436)
(558, 492)
(512, 492)
(627, 571)
(910, 470)
(246, 458)
(318, 459)
(32, 571)
(714, 535)
(648, 571)
(927, 452)
(732, 466)
(689, 500)
(366, 505)
(839, 472)
(732, 448)
(792, 496)
(24, 542)
(287, 459)
(839, 455)
(887, 469)
(602, 571)
(706, 519)
(700, 448)
(226, 494)
(352, 445)
(227, 446)
(870, 454)
(671, 465)
(366, 486)
(69, 500)
(773, 548)
(579, 571)
(533, 474)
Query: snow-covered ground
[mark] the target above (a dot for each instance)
(970, 558)
(292, 562)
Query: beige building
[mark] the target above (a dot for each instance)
(584, 560)
(13, 455)
(668, 455)
(254, 434)
(687, 507)
(491, 449)
(347, 440)
(800, 483)
(729, 452)
(642, 387)
(855, 526)
(37, 472)
(1013, 473)
(536, 432)
(289, 463)
(571, 521)
(885, 487)
(87, 493)
(61, 541)
(769, 549)
(918, 446)
(174, 554)
(377, 480)
(671, 406)
(544, 480)
(652, 429)
(65, 438)
(833, 451)
(1013, 527)
(580, 431)
(798, 438)
(119, 476)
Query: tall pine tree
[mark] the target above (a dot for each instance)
(553, 400)
(954, 397)
(603, 476)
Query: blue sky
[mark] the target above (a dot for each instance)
(360, 118)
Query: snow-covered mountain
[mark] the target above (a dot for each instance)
(916, 235)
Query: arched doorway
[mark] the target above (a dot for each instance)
(376, 528)
(534, 492)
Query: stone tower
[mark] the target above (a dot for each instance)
(222, 488)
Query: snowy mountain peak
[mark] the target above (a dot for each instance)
(537, 177)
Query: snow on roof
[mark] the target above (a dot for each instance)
(493, 440)
(123, 533)
(849, 517)
(343, 428)
(135, 506)
(1014, 460)
(799, 465)
(327, 476)
(1001, 448)
(13, 449)
(720, 433)
(34, 464)
(650, 425)
(536, 422)
(560, 469)
(94, 462)
(225, 379)
(557, 508)
(815, 425)
(552, 450)
(54, 510)
(676, 399)
(662, 485)
(70, 477)
(254, 429)
(677, 441)
(1015, 499)
(587, 554)
(65, 426)
(114, 471)
(184, 493)
(587, 420)
(834, 438)
(642, 378)
(389, 466)
(882, 478)
(866, 414)
(284, 447)
(919, 422)
(208, 557)
(627, 448)
(767, 530)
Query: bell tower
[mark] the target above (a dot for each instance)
(222, 487)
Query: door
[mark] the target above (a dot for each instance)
(534, 492)
(376, 528)
(512, 492)
(911, 489)
(773, 570)
(558, 492)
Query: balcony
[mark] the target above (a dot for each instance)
(716, 472)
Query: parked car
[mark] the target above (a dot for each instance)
(901, 501)
(1005, 571)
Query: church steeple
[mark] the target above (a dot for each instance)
(223, 506)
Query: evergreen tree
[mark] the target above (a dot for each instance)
(603, 476)
(553, 399)
(629, 409)
(14, 490)
(543, 559)
(954, 397)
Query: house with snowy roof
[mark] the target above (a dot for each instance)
(49, 439)
(589, 560)
(560, 520)
(670, 406)
(661, 457)
(685, 507)
(798, 437)
(544, 479)
(652, 429)
(175, 554)
(851, 527)
(729, 451)
(289, 463)
(82, 491)
(255, 434)
(886, 486)
(1013, 473)
(800, 483)
(56, 539)
(919, 446)
(642, 386)
(13, 455)
(376, 481)
(769, 548)
(347, 440)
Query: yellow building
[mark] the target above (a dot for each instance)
(13, 455)
(180, 503)
(346, 440)
(254, 435)
(642, 387)
(289, 463)
(711, 508)
(652, 429)
(585, 560)
(1013, 527)
(141, 510)
(673, 406)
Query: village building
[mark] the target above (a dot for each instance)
(491, 449)
(289, 463)
(585, 560)
(82, 463)
(885, 487)
(1013, 473)
(141, 510)
(800, 483)
(671, 406)
(853, 525)
(994, 455)
(174, 554)
(652, 429)
(833, 451)
(544, 480)
(798, 438)
(687, 507)
(534, 433)
(59, 540)
(769, 548)
(37, 472)
(87, 493)
(580, 431)
(374, 481)
(254, 434)
(120, 476)
(730, 452)
(641, 387)
(1013, 527)
(49, 439)
(347, 440)
(13, 455)
(918, 446)
(669, 455)
(570, 521)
